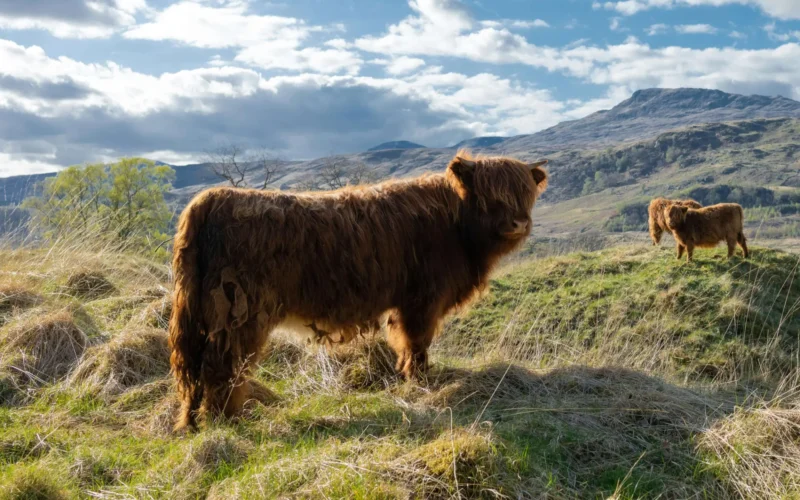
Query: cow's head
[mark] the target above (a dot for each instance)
(497, 195)
(674, 215)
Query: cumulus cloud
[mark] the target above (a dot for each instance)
(400, 65)
(218, 26)
(443, 28)
(268, 42)
(71, 18)
(58, 111)
(280, 54)
(781, 9)
(637, 65)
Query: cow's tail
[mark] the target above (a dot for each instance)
(187, 339)
(740, 238)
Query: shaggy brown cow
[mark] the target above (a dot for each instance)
(248, 261)
(706, 227)
(656, 216)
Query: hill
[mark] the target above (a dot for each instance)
(396, 145)
(652, 111)
(617, 374)
(704, 143)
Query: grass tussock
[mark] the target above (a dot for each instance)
(15, 298)
(757, 450)
(43, 346)
(132, 358)
(90, 285)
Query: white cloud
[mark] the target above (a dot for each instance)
(267, 42)
(781, 9)
(57, 111)
(615, 24)
(536, 23)
(696, 29)
(737, 35)
(281, 54)
(217, 60)
(637, 65)
(227, 25)
(440, 28)
(777, 36)
(401, 65)
(71, 18)
(657, 29)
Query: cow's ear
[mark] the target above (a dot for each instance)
(539, 174)
(463, 169)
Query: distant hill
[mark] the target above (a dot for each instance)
(480, 142)
(396, 145)
(652, 111)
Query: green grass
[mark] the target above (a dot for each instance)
(622, 373)
(713, 318)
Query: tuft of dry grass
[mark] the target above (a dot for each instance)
(43, 346)
(756, 450)
(157, 313)
(129, 359)
(14, 298)
(89, 285)
(456, 463)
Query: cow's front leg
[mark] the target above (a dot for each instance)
(410, 333)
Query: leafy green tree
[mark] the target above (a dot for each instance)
(587, 187)
(123, 201)
(600, 180)
(136, 196)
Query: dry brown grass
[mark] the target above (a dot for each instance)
(129, 359)
(15, 298)
(43, 346)
(89, 285)
(757, 449)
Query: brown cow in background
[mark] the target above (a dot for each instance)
(248, 261)
(706, 227)
(656, 216)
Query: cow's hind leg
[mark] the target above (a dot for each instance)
(227, 364)
(743, 243)
(731, 241)
(655, 232)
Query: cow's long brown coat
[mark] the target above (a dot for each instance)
(656, 221)
(706, 227)
(246, 261)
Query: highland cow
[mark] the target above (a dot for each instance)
(706, 227)
(247, 261)
(656, 216)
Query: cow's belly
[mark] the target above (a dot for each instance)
(322, 332)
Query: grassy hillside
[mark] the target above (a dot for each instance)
(619, 374)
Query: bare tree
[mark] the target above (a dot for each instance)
(235, 163)
(336, 173)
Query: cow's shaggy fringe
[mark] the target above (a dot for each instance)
(246, 261)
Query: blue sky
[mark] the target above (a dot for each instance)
(93, 80)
